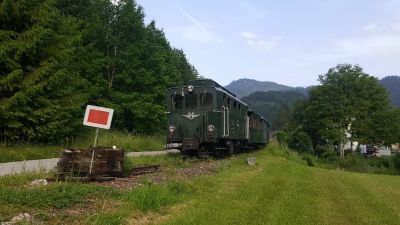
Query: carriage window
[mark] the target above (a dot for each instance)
(191, 101)
(206, 100)
(177, 102)
(234, 105)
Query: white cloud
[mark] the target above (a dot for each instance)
(197, 31)
(392, 28)
(249, 35)
(259, 44)
(381, 40)
(377, 45)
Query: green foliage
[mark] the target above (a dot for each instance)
(358, 163)
(281, 137)
(396, 161)
(274, 106)
(300, 141)
(296, 139)
(348, 105)
(41, 91)
(309, 159)
(327, 153)
(59, 55)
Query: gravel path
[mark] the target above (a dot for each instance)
(50, 164)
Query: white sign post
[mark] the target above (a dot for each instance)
(98, 117)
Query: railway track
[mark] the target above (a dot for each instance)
(144, 170)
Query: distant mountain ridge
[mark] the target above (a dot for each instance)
(392, 84)
(245, 87)
(274, 101)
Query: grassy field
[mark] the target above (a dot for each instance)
(280, 189)
(123, 140)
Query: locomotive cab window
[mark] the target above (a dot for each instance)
(191, 101)
(206, 100)
(177, 102)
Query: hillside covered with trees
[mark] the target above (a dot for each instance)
(59, 55)
(244, 87)
(274, 106)
(392, 84)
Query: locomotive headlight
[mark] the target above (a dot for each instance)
(171, 128)
(190, 88)
(211, 128)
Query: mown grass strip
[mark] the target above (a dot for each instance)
(283, 192)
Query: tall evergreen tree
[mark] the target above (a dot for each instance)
(41, 90)
(58, 55)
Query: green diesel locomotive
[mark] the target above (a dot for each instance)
(205, 118)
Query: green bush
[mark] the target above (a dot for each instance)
(327, 154)
(309, 160)
(281, 137)
(300, 141)
(396, 162)
(354, 162)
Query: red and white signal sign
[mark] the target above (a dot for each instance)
(96, 116)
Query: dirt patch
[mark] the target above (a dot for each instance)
(165, 174)
(201, 168)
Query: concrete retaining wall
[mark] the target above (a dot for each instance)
(50, 164)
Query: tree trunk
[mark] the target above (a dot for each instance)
(341, 145)
(112, 72)
(341, 150)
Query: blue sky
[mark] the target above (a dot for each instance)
(288, 42)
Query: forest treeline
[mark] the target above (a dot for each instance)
(275, 106)
(56, 56)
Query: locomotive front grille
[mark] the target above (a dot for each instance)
(190, 143)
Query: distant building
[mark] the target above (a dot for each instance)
(375, 151)
(383, 151)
